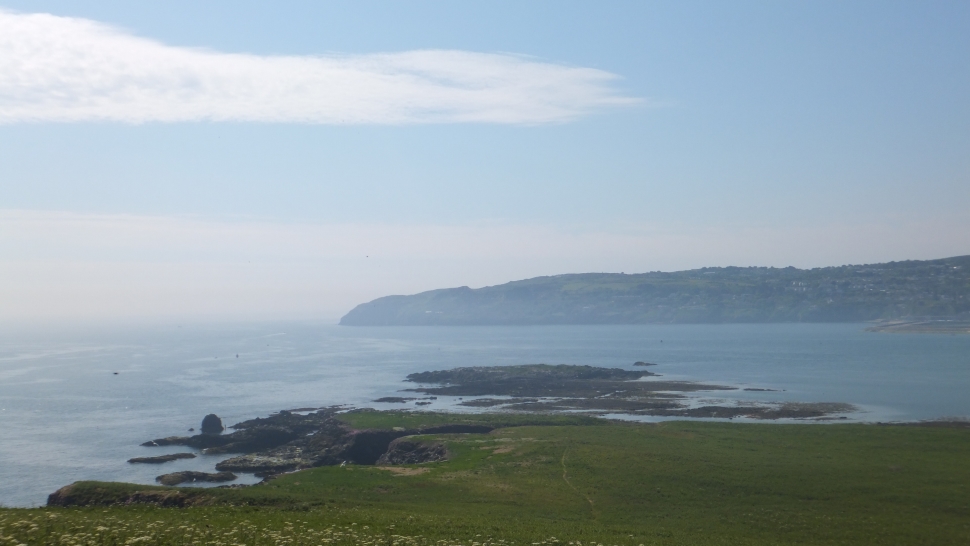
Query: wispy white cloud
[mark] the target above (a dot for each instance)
(64, 69)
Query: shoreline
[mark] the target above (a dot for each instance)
(922, 326)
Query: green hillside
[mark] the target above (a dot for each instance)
(850, 293)
(559, 484)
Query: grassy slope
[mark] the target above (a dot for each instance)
(677, 483)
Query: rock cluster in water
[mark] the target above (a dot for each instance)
(548, 388)
(289, 441)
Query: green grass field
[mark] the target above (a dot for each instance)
(566, 481)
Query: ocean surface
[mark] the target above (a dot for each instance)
(75, 403)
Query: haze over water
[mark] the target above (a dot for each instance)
(66, 415)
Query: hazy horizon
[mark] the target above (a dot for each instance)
(290, 161)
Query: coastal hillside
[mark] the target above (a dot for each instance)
(850, 293)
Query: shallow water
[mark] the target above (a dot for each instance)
(66, 416)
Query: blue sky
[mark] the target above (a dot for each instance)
(679, 134)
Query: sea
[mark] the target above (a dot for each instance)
(76, 402)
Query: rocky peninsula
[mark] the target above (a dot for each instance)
(288, 441)
(291, 440)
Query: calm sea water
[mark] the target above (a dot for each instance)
(66, 416)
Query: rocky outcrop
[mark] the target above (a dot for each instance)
(252, 438)
(176, 478)
(95, 494)
(331, 445)
(287, 441)
(262, 465)
(410, 451)
(256, 439)
(62, 497)
(162, 458)
(212, 424)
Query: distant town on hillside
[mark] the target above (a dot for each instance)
(850, 293)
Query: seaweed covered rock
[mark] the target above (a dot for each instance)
(162, 458)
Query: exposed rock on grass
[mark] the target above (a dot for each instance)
(409, 451)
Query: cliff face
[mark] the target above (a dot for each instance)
(938, 288)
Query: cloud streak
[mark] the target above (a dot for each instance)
(63, 69)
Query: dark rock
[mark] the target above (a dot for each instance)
(255, 439)
(395, 399)
(409, 451)
(249, 439)
(62, 497)
(162, 458)
(641, 363)
(367, 446)
(212, 424)
(176, 478)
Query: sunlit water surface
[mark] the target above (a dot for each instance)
(65, 415)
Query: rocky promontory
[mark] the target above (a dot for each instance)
(176, 478)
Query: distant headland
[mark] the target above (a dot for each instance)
(926, 291)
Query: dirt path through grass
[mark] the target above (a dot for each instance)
(565, 477)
